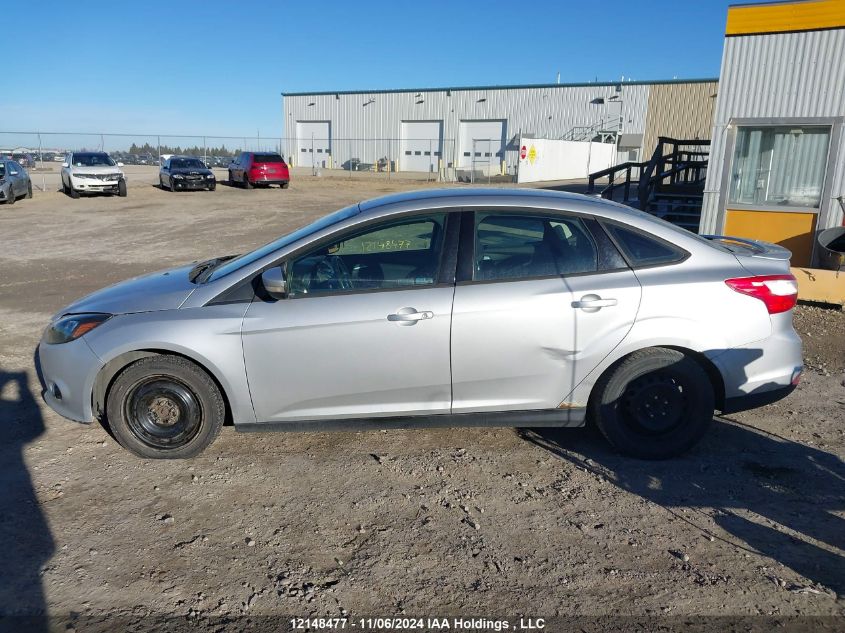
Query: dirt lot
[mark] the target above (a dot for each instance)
(437, 523)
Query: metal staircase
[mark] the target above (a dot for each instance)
(606, 130)
(670, 185)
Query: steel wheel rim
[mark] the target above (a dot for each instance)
(655, 404)
(163, 412)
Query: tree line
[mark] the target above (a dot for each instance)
(146, 148)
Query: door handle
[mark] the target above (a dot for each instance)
(409, 316)
(593, 303)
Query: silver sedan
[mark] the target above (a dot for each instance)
(14, 182)
(444, 308)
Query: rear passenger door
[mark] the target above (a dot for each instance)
(544, 298)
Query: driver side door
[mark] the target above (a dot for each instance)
(364, 331)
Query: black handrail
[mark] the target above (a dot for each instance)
(684, 163)
(611, 172)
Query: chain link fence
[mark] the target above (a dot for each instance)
(431, 159)
(427, 159)
(39, 150)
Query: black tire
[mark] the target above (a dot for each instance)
(73, 193)
(121, 188)
(29, 189)
(285, 185)
(12, 197)
(246, 183)
(655, 404)
(231, 178)
(212, 187)
(169, 387)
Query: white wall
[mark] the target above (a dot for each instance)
(553, 159)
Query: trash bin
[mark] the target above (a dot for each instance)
(832, 251)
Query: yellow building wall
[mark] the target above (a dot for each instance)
(794, 231)
(785, 17)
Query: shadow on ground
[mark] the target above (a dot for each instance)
(24, 533)
(772, 494)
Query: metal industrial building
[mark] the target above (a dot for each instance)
(443, 129)
(777, 161)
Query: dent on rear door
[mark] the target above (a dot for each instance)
(522, 345)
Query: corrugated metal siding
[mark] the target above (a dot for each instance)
(794, 75)
(682, 111)
(548, 112)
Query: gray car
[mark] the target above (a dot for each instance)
(441, 308)
(14, 182)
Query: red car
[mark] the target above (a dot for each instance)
(259, 168)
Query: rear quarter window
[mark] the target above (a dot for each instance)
(643, 250)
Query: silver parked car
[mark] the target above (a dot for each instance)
(14, 182)
(443, 308)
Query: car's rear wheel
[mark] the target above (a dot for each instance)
(246, 183)
(165, 407)
(231, 178)
(121, 188)
(29, 190)
(656, 403)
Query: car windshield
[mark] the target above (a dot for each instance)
(186, 163)
(248, 258)
(267, 158)
(92, 160)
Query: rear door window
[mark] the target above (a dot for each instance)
(521, 246)
(644, 250)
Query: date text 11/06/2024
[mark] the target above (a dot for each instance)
(417, 624)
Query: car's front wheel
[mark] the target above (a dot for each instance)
(656, 403)
(121, 188)
(165, 407)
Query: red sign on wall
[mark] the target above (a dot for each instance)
(522, 152)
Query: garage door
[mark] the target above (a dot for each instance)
(421, 145)
(481, 145)
(313, 143)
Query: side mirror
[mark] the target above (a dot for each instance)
(274, 282)
(13, 173)
(65, 165)
(120, 164)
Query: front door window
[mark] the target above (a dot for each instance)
(401, 254)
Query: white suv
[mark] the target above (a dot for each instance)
(86, 172)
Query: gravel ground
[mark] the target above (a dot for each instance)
(474, 522)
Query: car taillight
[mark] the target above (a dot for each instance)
(778, 292)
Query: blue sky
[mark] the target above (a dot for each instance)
(219, 67)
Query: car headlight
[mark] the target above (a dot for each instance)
(178, 176)
(210, 176)
(71, 326)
